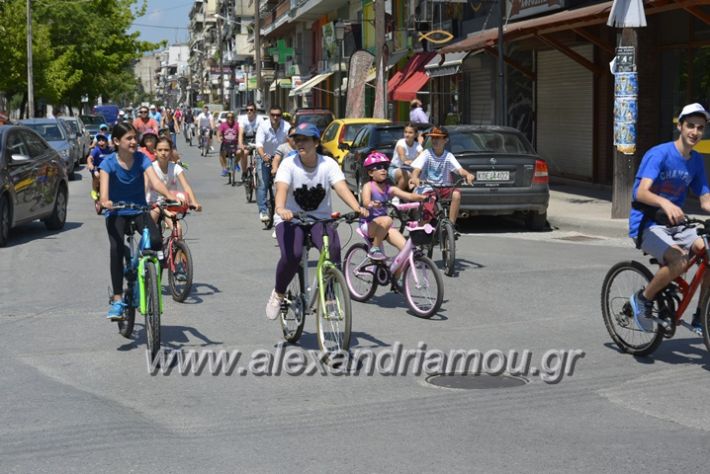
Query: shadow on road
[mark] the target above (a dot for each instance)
(396, 300)
(681, 351)
(35, 231)
(358, 340)
(198, 291)
(171, 337)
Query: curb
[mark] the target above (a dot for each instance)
(616, 228)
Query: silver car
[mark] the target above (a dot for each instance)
(55, 132)
(83, 138)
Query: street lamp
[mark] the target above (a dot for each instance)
(339, 35)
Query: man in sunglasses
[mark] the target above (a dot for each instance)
(268, 138)
(248, 125)
(144, 123)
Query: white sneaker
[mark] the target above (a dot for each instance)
(264, 217)
(273, 307)
(273, 234)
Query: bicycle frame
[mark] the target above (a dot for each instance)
(137, 263)
(402, 260)
(322, 264)
(687, 290)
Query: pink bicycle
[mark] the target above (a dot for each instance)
(409, 272)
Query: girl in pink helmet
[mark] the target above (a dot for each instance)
(375, 194)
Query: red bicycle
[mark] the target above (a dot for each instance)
(626, 278)
(178, 259)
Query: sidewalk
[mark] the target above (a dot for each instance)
(586, 209)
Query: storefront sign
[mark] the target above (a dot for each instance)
(525, 8)
(330, 44)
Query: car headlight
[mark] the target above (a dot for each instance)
(64, 153)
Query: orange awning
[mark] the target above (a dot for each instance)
(415, 64)
(408, 89)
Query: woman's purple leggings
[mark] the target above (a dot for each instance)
(291, 237)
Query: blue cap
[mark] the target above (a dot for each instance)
(101, 136)
(103, 125)
(307, 130)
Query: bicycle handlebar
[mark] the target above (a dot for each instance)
(129, 205)
(309, 219)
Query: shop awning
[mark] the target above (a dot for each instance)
(416, 64)
(306, 87)
(408, 89)
(445, 64)
(565, 20)
(284, 83)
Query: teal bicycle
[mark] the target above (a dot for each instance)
(328, 293)
(142, 291)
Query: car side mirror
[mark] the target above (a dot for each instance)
(343, 146)
(19, 159)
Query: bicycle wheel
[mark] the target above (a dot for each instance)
(125, 327)
(705, 319)
(152, 309)
(333, 316)
(270, 211)
(360, 273)
(293, 319)
(623, 280)
(447, 243)
(249, 185)
(423, 287)
(232, 174)
(180, 280)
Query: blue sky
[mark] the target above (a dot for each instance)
(164, 20)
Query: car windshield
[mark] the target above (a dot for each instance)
(72, 126)
(92, 119)
(49, 131)
(390, 136)
(351, 131)
(487, 142)
(320, 121)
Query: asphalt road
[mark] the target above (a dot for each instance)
(77, 397)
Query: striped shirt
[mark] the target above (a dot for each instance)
(436, 169)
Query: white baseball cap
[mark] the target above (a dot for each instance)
(692, 109)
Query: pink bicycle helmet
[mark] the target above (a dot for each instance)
(376, 158)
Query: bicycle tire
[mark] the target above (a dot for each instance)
(360, 273)
(617, 312)
(705, 319)
(333, 331)
(181, 290)
(447, 244)
(152, 309)
(430, 301)
(294, 318)
(125, 326)
(249, 186)
(232, 174)
(270, 211)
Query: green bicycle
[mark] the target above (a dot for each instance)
(142, 292)
(328, 293)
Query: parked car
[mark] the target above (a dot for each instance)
(76, 126)
(370, 138)
(92, 123)
(109, 111)
(321, 118)
(344, 131)
(510, 176)
(33, 181)
(55, 132)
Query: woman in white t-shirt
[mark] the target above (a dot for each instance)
(171, 174)
(303, 183)
(406, 150)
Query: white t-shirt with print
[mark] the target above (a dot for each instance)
(437, 169)
(306, 186)
(169, 179)
(411, 151)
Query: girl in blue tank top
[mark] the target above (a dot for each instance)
(375, 194)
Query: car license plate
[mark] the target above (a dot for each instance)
(492, 175)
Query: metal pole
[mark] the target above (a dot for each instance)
(502, 107)
(257, 51)
(30, 74)
(221, 75)
(380, 110)
(340, 79)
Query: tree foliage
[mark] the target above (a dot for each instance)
(80, 47)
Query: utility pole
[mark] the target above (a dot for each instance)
(502, 106)
(30, 74)
(380, 110)
(221, 75)
(257, 53)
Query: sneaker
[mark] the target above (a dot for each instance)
(273, 234)
(94, 195)
(375, 253)
(696, 324)
(244, 177)
(273, 307)
(224, 173)
(643, 311)
(180, 276)
(115, 310)
(263, 217)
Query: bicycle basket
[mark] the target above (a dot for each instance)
(421, 235)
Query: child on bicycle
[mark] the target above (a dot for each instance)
(375, 194)
(406, 150)
(123, 177)
(170, 173)
(303, 183)
(93, 161)
(436, 165)
(148, 142)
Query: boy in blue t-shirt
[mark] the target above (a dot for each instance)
(96, 156)
(666, 173)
